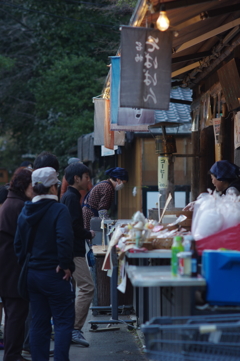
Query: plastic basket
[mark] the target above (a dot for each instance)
(208, 338)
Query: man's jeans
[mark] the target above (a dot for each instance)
(50, 296)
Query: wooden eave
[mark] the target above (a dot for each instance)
(199, 43)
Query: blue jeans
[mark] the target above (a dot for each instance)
(50, 296)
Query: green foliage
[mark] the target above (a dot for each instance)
(130, 3)
(6, 63)
(69, 85)
(53, 57)
(10, 153)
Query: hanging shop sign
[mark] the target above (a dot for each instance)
(162, 172)
(105, 152)
(101, 124)
(216, 128)
(237, 130)
(126, 119)
(145, 68)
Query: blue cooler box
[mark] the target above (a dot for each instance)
(221, 269)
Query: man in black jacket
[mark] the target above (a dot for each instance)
(78, 178)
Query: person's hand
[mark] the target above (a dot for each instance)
(67, 272)
(92, 233)
(189, 207)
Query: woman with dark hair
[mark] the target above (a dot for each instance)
(98, 201)
(225, 177)
(15, 308)
(46, 224)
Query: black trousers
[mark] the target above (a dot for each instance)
(16, 311)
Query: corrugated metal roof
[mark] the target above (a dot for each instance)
(177, 112)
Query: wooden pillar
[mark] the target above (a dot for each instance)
(236, 152)
(207, 152)
(171, 180)
(195, 165)
(226, 139)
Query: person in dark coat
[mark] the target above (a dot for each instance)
(15, 308)
(50, 266)
(44, 159)
(78, 176)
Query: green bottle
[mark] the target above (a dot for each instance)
(176, 248)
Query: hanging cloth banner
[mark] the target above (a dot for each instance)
(100, 106)
(108, 133)
(127, 119)
(146, 61)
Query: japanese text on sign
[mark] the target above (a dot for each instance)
(162, 172)
(150, 65)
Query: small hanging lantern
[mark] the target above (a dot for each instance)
(165, 143)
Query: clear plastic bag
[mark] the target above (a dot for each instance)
(214, 213)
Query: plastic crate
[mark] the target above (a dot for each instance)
(221, 269)
(208, 338)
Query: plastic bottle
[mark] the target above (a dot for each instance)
(187, 242)
(176, 248)
(194, 259)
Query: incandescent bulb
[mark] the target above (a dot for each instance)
(162, 21)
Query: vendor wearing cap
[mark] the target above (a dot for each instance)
(98, 200)
(225, 177)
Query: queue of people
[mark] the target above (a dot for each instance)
(33, 219)
(54, 229)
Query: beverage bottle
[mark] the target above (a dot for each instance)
(194, 259)
(176, 248)
(187, 242)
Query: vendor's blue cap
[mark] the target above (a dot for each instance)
(224, 170)
(120, 173)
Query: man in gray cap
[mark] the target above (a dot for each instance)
(46, 225)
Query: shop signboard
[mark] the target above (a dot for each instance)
(105, 152)
(162, 172)
(216, 128)
(102, 126)
(126, 119)
(237, 130)
(146, 63)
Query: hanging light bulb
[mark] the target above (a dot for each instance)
(162, 21)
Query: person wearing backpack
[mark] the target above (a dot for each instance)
(99, 199)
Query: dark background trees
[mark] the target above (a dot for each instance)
(53, 61)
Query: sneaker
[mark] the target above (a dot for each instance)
(27, 353)
(77, 337)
